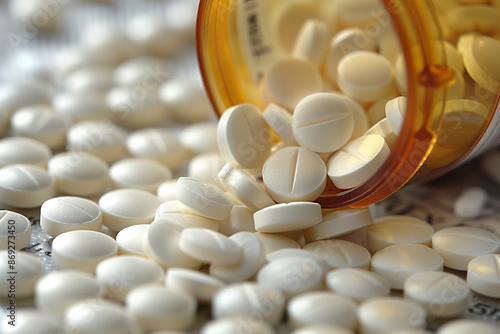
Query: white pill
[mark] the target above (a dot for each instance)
(203, 198)
(126, 207)
(310, 43)
(287, 217)
(359, 284)
(17, 96)
(360, 117)
(240, 219)
(294, 174)
(161, 244)
(79, 173)
(15, 230)
(322, 329)
(247, 299)
(358, 12)
(398, 262)
(121, 274)
(344, 42)
(55, 292)
(376, 112)
(237, 325)
(69, 213)
(244, 137)
(322, 308)
(365, 76)
(470, 203)
(90, 79)
(338, 223)
(253, 256)
(292, 276)
(209, 246)
(130, 240)
(25, 186)
(40, 123)
(23, 150)
(289, 80)
(143, 71)
(73, 58)
(81, 106)
(297, 253)
(200, 137)
(109, 40)
(358, 161)
(103, 139)
(165, 191)
(107, 317)
(384, 314)
(441, 294)
(280, 120)
(459, 245)
(340, 253)
(19, 273)
(398, 230)
(173, 210)
(483, 275)
(139, 173)
(322, 122)
(206, 167)
(273, 242)
(384, 130)
(395, 111)
(244, 187)
(201, 285)
(30, 320)
(464, 326)
(82, 250)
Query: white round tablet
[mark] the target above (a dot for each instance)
(126, 207)
(287, 217)
(25, 186)
(483, 275)
(294, 174)
(68, 213)
(322, 122)
(280, 120)
(121, 274)
(15, 230)
(249, 299)
(340, 253)
(273, 242)
(310, 43)
(322, 307)
(235, 325)
(298, 253)
(159, 308)
(55, 292)
(359, 284)
(200, 137)
(398, 262)
(385, 314)
(201, 285)
(459, 245)
(139, 173)
(464, 326)
(82, 250)
(23, 150)
(206, 166)
(19, 273)
(240, 219)
(442, 295)
(130, 240)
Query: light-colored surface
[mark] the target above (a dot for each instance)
(470, 203)
(15, 230)
(359, 284)
(206, 166)
(200, 137)
(273, 242)
(384, 129)
(201, 285)
(483, 275)
(32, 320)
(240, 219)
(280, 120)
(130, 240)
(395, 111)
(81, 106)
(340, 253)
(359, 114)
(28, 268)
(459, 245)
(310, 43)
(322, 329)
(234, 324)
(286, 217)
(464, 326)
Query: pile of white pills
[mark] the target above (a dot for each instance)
(212, 227)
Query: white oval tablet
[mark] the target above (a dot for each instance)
(442, 295)
(201, 285)
(340, 253)
(139, 173)
(310, 43)
(126, 207)
(200, 137)
(338, 223)
(81, 106)
(464, 326)
(23, 150)
(203, 198)
(398, 262)
(209, 246)
(130, 240)
(359, 284)
(249, 299)
(15, 230)
(287, 217)
(322, 308)
(244, 137)
(79, 173)
(294, 174)
(165, 191)
(385, 314)
(30, 320)
(25, 186)
(280, 120)
(483, 275)
(182, 220)
(470, 203)
(68, 213)
(459, 245)
(121, 274)
(159, 308)
(82, 250)
(57, 291)
(19, 272)
(358, 161)
(322, 122)
(91, 79)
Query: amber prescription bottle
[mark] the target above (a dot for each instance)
(238, 39)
